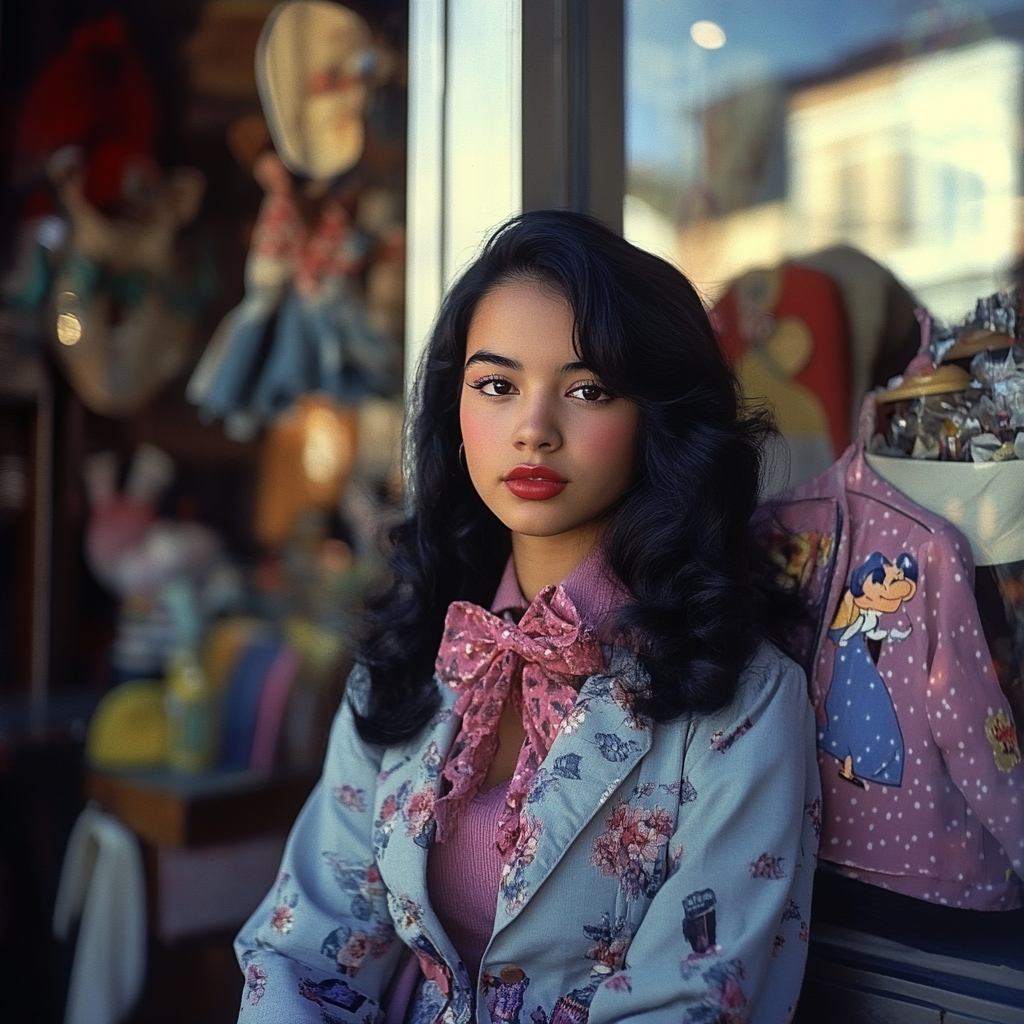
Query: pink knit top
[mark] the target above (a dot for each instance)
(463, 875)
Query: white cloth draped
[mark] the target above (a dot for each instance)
(103, 882)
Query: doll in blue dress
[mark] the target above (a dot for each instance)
(862, 730)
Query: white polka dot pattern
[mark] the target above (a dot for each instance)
(944, 822)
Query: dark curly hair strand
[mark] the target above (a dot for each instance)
(678, 539)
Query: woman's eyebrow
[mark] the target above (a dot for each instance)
(483, 356)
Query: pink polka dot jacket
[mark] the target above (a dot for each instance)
(922, 780)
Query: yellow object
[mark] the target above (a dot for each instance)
(129, 728)
(766, 371)
(939, 381)
(191, 714)
(1002, 736)
(69, 329)
(318, 648)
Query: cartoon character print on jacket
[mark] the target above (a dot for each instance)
(724, 999)
(505, 1004)
(331, 992)
(699, 923)
(506, 1001)
(862, 731)
(1002, 737)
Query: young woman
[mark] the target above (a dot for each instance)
(569, 781)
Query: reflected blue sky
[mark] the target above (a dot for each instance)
(668, 75)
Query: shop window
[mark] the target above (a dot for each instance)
(888, 127)
(821, 172)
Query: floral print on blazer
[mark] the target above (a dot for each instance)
(663, 873)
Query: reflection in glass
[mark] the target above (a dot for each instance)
(707, 35)
(889, 125)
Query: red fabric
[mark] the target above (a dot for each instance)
(488, 661)
(814, 298)
(95, 94)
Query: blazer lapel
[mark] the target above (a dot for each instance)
(408, 785)
(599, 744)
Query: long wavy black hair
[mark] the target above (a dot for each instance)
(678, 538)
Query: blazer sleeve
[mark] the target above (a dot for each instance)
(321, 944)
(725, 937)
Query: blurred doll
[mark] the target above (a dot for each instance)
(785, 332)
(120, 313)
(137, 555)
(123, 320)
(96, 94)
(303, 325)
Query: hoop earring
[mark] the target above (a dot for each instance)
(462, 459)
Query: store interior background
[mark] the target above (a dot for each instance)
(892, 126)
(198, 59)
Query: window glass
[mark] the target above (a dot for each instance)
(760, 132)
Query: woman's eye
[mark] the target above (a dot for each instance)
(494, 386)
(590, 393)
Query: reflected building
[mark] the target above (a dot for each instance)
(916, 162)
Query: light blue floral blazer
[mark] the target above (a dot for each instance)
(663, 873)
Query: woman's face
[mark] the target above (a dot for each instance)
(548, 449)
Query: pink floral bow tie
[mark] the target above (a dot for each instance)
(487, 660)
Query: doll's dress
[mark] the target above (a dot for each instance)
(861, 718)
(301, 326)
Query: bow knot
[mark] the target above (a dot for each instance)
(488, 661)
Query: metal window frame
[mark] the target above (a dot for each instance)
(574, 149)
(487, 141)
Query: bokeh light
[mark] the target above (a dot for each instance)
(707, 35)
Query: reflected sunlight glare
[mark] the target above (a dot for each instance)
(791, 141)
(707, 35)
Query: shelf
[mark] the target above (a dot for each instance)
(175, 810)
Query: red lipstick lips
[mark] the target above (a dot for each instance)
(535, 483)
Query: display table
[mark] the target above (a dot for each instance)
(212, 842)
(169, 809)
(882, 957)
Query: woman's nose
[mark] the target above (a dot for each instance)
(537, 428)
